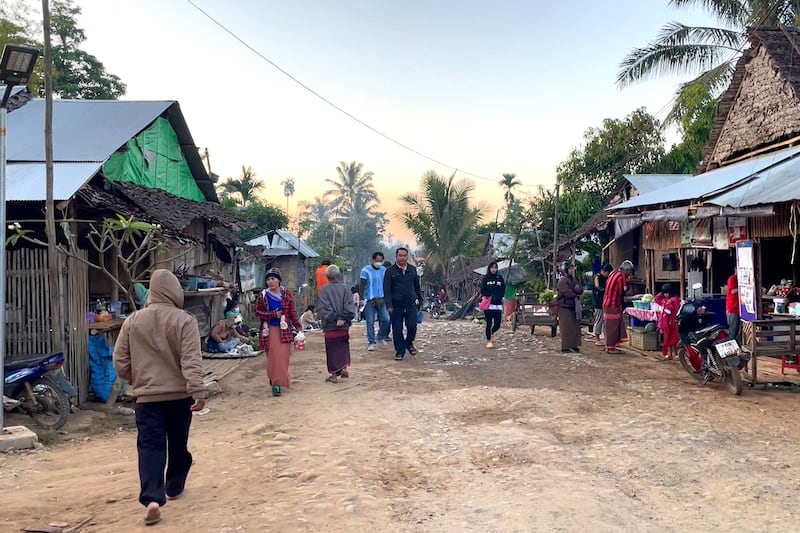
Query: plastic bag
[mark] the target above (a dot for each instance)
(486, 301)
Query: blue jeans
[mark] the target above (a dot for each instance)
(383, 322)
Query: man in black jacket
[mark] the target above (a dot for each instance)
(403, 298)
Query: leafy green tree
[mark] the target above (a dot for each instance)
(267, 218)
(631, 145)
(245, 186)
(443, 218)
(76, 73)
(697, 120)
(707, 53)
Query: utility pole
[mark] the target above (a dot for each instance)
(57, 333)
(555, 238)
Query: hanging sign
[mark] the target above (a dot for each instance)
(745, 274)
(737, 230)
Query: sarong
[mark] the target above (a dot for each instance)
(570, 328)
(278, 359)
(337, 350)
(616, 333)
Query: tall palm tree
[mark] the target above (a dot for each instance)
(288, 190)
(442, 218)
(351, 186)
(508, 182)
(246, 186)
(707, 53)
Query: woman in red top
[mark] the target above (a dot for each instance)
(668, 320)
(275, 310)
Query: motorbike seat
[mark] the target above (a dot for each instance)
(24, 361)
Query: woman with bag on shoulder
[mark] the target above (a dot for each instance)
(336, 310)
(493, 288)
(275, 310)
(568, 291)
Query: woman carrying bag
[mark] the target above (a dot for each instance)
(493, 287)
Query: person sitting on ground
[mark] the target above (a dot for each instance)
(232, 309)
(224, 337)
(307, 319)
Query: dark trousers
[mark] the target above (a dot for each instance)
(492, 317)
(163, 434)
(404, 314)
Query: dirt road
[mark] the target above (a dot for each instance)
(459, 438)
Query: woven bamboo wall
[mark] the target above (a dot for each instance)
(774, 226)
(662, 238)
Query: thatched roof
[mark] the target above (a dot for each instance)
(174, 214)
(761, 107)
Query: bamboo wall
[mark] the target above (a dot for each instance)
(28, 310)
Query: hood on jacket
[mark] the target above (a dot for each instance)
(165, 289)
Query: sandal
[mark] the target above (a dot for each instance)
(412, 350)
(344, 374)
(276, 390)
(332, 379)
(614, 351)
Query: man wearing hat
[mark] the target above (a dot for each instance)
(598, 291)
(613, 304)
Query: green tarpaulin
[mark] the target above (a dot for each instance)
(154, 159)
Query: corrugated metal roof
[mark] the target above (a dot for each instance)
(25, 182)
(263, 240)
(646, 183)
(780, 183)
(287, 240)
(705, 184)
(283, 243)
(83, 130)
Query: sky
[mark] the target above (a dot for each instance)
(487, 87)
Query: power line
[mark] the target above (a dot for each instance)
(333, 105)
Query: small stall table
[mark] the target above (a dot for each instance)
(644, 315)
(775, 338)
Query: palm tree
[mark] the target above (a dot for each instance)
(442, 218)
(288, 190)
(245, 186)
(708, 53)
(509, 181)
(351, 186)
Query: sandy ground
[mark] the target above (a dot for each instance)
(459, 438)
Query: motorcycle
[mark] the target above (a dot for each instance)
(434, 307)
(706, 353)
(34, 385)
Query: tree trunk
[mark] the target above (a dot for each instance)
(57, 329)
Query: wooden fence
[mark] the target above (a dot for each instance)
(28, 310)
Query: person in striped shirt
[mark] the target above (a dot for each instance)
(613, 304)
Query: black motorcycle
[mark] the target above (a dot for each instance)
(706, 353)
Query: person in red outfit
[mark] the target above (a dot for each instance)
(732, 308)
(668, 320)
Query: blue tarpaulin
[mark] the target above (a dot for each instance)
(102, 374)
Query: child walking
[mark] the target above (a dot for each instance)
(668, 321)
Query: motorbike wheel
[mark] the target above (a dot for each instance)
(733, 379)
(687, 365)
(436, 314)
(52, 404)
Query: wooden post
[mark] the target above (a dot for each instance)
(682, 273)
(56, 327)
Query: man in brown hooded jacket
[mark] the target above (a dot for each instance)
(158, 353)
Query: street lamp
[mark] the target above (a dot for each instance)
(16, 67)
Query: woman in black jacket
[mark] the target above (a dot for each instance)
(493, 286)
